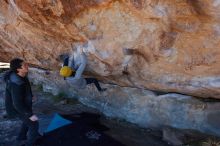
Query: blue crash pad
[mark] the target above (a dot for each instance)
(57, 122)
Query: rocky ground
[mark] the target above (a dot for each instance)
(126, 133)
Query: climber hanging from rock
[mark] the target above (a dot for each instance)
(73, 68)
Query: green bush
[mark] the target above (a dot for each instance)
(39, 87)
(59, 97)
(63, 96)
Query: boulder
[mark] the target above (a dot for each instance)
(174, 45)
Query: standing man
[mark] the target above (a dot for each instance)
(18, 101)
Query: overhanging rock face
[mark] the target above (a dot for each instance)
(173, 45)
(139, 106)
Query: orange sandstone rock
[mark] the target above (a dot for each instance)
(174, 44)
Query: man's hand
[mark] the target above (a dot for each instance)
(34, 98)
(33, 118)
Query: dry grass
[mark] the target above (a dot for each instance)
(211, 142)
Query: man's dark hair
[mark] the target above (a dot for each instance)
(15, 64)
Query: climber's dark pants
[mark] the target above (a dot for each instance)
(95, 81)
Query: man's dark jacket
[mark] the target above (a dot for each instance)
(18, 96)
